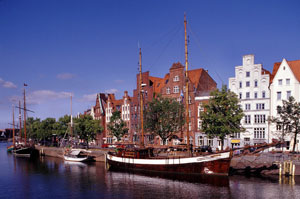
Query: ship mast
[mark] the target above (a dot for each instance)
(20, 121)
(71, 120)
(141, 99)
(25, 115)
(14, 141)
(186, 86)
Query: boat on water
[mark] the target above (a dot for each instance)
(24, 151)
(10, 148)
(143, 158)
(77, 156)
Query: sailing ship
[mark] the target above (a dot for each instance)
(12, 147)
(143, 159)
(24, 150)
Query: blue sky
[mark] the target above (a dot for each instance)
(60, 47)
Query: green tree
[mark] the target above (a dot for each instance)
(289, 119)
(34, 129)
(164, 117)
(116, 126)
(222, 115)
(87, 128)
(63, 125)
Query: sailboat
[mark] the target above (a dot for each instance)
(24, 150)
(144, 159)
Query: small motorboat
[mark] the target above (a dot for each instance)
(77, 156)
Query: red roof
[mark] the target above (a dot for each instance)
(294, 65)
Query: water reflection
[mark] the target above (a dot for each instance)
(53, 178)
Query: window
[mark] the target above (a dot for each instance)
(199, 124)
(200, 109)
(247, 106)
(190, 100)
(176, 78)
(278, 95)
(247, 139)
(210, 142)
(200, 141)
(280, 82)
(248, 84)
(255, 95)
(247, 95)
(247, 74)
(236, 135)
(247, 119)
(241, 84)
(260, 106)
(190, 113)
(259, 119)
(263, 94)
(288, 94)
(190, 126)
(278, 127)
(240, 95)
(287, 81)
(176, 89)
(259, 133)
(168, 90)
(255, 83)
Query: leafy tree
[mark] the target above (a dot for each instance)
(117, 127)
(164, 117)
(86, 128)
(289, 119)
(63, 125)
(34, 129)
(222, 115)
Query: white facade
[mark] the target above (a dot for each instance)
(283, 85)
(251, 84)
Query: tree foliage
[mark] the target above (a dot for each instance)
(289, 119)
(164, 117)
(222, 115)
(117, 127)
(87, 128)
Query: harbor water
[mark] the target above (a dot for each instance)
(48, 177)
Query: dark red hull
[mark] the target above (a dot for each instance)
(216, 167)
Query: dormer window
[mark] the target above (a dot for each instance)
(176, 78)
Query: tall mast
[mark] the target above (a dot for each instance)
(186, 86)
(20, 120)
(71, 121)
(14, 142)
(141, 99)
(25, 115)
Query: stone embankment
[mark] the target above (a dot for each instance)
(99, 154)
(263, 163)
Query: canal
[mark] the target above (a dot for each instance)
(53, 178)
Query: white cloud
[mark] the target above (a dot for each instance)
(119, 81)
(89, 98)
(113, 90)
(40, 96)
(7, 84)
(65, 76)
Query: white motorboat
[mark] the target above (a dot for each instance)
(77, 156)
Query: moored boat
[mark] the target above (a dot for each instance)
(143, 159)
(77, 156)
(10, 148)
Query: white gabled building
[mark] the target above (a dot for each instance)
(285, 82)
(251, 84)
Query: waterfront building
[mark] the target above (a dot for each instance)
(251, 85)
(285, 82)
(173, 86)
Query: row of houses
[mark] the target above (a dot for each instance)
(259, 91)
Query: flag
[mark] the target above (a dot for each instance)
(25, 84)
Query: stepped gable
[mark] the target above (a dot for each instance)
(294, 65)
(176, 66)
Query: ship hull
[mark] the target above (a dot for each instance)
(216, 164)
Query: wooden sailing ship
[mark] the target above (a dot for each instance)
(145, 159)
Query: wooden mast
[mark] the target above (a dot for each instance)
(14, 141)
(186, 86)
(71, 120)
(141, 99)
(20, 121)
(25, 116)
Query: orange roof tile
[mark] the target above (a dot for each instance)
(194, 75)
(176, 65)
(294, 65)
